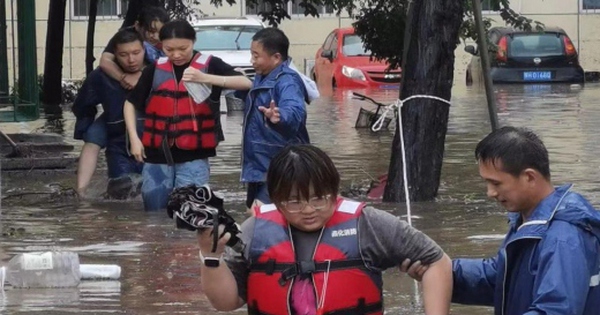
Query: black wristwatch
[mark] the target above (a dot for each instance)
(210, 262)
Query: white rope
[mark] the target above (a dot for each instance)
(379, 124)
(397, 105)
(321, 302)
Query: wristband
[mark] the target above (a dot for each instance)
(224, 81)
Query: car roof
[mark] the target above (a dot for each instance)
(345, 30)
(510, 30)
(227, 21)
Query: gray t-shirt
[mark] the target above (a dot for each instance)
(384, 240)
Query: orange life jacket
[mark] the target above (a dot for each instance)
(173, 116)
(337, 266)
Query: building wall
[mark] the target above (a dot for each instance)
(74, 39)
(307, 33)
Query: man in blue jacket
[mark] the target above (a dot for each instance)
(549, 262)
(275, 111)
(99, 88)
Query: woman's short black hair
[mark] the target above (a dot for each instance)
(516, 149)
(301, 167)
(150, 14)
(178, 29)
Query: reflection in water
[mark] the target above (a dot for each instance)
(98, 296)
(160, 266)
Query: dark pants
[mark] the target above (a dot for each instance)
(124, 187)
(124, 172)
(257, 191)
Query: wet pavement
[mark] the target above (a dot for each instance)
(160, 264)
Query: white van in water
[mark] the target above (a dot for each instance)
(228, 39)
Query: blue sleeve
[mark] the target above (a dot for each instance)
(85, 103)
(151, 53)
(563, 281)
(289, 98)
(474, 281)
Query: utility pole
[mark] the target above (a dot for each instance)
(482, 48)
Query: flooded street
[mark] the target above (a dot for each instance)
(160, 264)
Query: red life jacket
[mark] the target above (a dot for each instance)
(337, 265)
(173, 116)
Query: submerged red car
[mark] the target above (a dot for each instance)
(343, 62)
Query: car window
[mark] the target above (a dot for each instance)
(328, 40)
(535, 45)
(494, 37)
(223, 37)
(334, 46)
(353, 46)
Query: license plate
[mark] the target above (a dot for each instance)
(389, 86)
(537, 75)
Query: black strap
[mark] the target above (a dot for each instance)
(170, 94)
(291, 270)
(166, 148)
(176, 133)
(361, 309)
(152, 133)
(254, 310)
(180, 118)
(215, 232)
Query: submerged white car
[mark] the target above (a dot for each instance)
(228, 39)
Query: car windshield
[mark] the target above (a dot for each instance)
(536, 45)
(353, 46)
(223, 37)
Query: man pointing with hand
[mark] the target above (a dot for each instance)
(275, 111)
(272, 112)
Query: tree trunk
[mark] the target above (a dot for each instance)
(52, 82)
(89, 45)
(428, 70)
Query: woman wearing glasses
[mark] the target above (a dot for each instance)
(312, 252)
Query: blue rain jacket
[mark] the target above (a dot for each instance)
(263, 139)
(556, 254)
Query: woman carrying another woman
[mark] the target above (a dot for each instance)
(179, 133)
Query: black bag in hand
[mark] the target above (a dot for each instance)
(194, 208)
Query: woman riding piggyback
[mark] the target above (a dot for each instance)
(180, 132)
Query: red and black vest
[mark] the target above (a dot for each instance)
(173, 116)
(351, 287)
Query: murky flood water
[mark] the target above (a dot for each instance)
(160, 264)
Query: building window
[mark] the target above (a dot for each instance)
(591, 6)
(260, 7)
(486, 5)
(107, 9)
(298, 10)
(293, 9)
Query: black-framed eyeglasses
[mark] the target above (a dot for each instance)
(296, 206)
